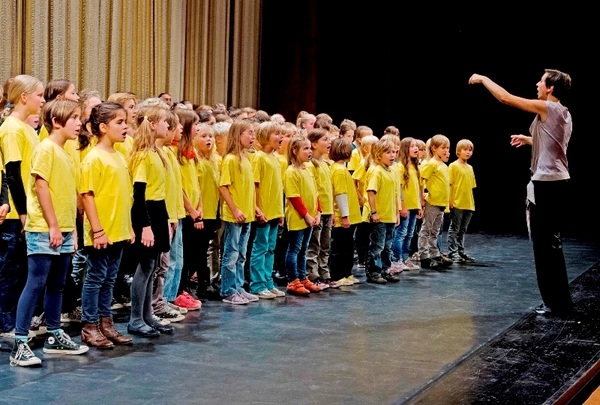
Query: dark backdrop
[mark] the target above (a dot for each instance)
(382, 64)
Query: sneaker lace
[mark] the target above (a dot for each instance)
(23, 351)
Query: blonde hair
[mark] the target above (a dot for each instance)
(367, 141)
(302, 120)
(294, 147)
(234, 144)
(210, 155)
(379, 148)
(21, 84)
(144, 136)
(435, 142)
(362, 131)
(122, 98)
(265, 130)
(391, 137)
(463, 144)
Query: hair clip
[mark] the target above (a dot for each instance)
(9, 105)
(145, 118)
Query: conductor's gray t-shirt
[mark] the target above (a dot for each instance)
(550, 140)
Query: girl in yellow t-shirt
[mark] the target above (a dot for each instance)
(410, 203)
(269, 209)
(238, 204)
(149, 216)
(434, 175)
(50, 232)
(302, 213)
(383, 205)
(173, 195)
(347, 213)
(105, 188)
(24, 97)
(317, 256)
(193, 222)
(208, 179)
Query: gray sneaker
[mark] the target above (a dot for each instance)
(248, 296)
(21, 355)
(61, 343)
(235, 299)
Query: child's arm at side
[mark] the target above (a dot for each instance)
(237, 213)
(43, 194)
(100, 239)
(260, 217)
(374, 215)
(4, 206)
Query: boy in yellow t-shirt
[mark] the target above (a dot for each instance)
(434, 174)
(383, 209)
(462, 203)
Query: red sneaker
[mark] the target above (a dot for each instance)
(310, 286)
(183, 302)
(296, 288)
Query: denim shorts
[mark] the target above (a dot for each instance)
(38, 243)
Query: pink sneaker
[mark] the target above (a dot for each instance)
(248, 296)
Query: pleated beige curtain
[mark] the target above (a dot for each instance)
(188, 48)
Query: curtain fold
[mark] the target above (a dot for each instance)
(144, 46)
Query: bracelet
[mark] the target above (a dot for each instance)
(373, 212)
(99, 236)
(101, 230)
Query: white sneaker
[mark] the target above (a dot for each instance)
(163, 322)
(181, 310)
(265, 295)
(277, 293)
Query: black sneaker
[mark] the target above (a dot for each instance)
(429, 264)
(21, 355)
(390, 278)
(466, 258)
(457, 258)
(376, 279)
(61, 343)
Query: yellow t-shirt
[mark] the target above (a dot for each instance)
(324, 189)
(267, 175)
(395, 168)
(172, 156)
(83, 153)
(150, 170)
(360, 176)
(435, 174)
(107, 176)
(71, 147)
(172, 193)
(383, 183)
(411, 190)
(342, 183)
(43, 133)
(208, 178)
(240, 182)
(189, 180)
(355, 160)
(283, 163)
(125, 146)
(53, 164)
(299, 182)
(462, 183)
(17, 142)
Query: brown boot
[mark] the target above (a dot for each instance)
(108, 330)
(92, 335)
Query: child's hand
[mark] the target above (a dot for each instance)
(199, 224)
(147, 237)
(420, 214)
(310, 221)
(239, 215)
(3, 212)
(476, 79)
(345, 222)
(56, 238)
(131, 238)
(317, 219)
(404, 213)
(281, 221)
(375, 218)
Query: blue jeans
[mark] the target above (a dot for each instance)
(46, 272)
(173, 275)
(379, 255)
(295, 258)
(97, 292)
(263, 256)
(13, 271)
(403, 236)
(234, 256)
